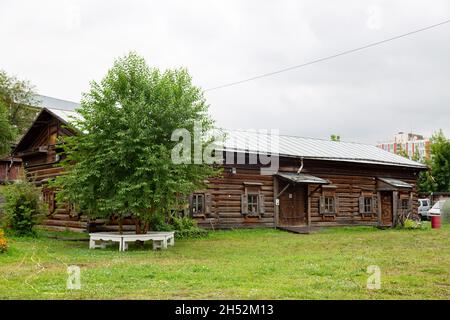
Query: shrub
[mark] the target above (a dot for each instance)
(158, 223)
(22, 207)
(185, 228)
(411, 224)
(3, 242)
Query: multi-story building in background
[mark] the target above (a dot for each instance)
(414, 145)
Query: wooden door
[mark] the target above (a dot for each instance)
(386, 208)
(292, 210)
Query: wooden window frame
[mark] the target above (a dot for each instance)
(324, 206)
(196, 203)
(407, 201)
(367, 208)
(329, 205)
(254, 196)
(206, 204)
(252, 189)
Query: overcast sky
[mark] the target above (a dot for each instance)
(403, 85)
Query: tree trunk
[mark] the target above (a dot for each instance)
(120, 226)
(137, 223)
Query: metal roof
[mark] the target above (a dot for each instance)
(309, 148)
(396, 183)
(302, 178)
(64, 115)
(54, 103)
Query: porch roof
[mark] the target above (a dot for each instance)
(396, 183)
(301, 178)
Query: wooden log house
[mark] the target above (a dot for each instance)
(316, 182)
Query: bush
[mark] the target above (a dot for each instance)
(22, 207)
(186, 227)
(158, 223)
(3, 242)
(411, 224)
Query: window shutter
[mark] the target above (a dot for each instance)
(361, 204)
(208, 203)
(374, 204)
(336, 205)
(322, 204)
(262, 208)
(191, 202)
(244, 204)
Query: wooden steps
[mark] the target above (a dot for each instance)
(65, 223)
(60, 229)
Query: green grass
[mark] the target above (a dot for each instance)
(240, 264)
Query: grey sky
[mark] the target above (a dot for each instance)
(367, 96)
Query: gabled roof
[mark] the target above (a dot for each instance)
(308, 148)
(41, 119)
(54, 103)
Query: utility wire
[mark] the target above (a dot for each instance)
(264, 75)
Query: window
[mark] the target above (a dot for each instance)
(329, 205)
(197, 203)
(405, 204)
(252, 203)
(367, 204)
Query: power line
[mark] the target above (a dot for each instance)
(264, 75)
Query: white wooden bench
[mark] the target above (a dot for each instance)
(160, 239)
(100, 239)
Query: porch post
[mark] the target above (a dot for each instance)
(275, 197)
(394, 207)
(379, 208)
(308, 206)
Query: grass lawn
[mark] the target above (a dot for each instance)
(240, 264)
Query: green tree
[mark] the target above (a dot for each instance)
(18, 98)
(437, 179)
(402, 152)
(7, 132)
(335, 137)
(120, 164)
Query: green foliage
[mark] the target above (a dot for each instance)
(335, 137)
(158, 223)
(438, 178)
(185, 227)
(17, 97)
(3, 242)
(183, 223)
(7, 131)
(411, 224)
(121, 163)
(22, 207)
(402, 152)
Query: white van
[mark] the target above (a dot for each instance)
(424, 206)
(436, 210)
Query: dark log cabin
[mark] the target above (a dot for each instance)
(315, 182)
(10, 169)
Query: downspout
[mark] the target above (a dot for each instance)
(301, 166)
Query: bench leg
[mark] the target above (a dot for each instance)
(172, 241)
(157, 244)
(91, 244)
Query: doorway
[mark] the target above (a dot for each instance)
(387, 216)
(293, 205)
